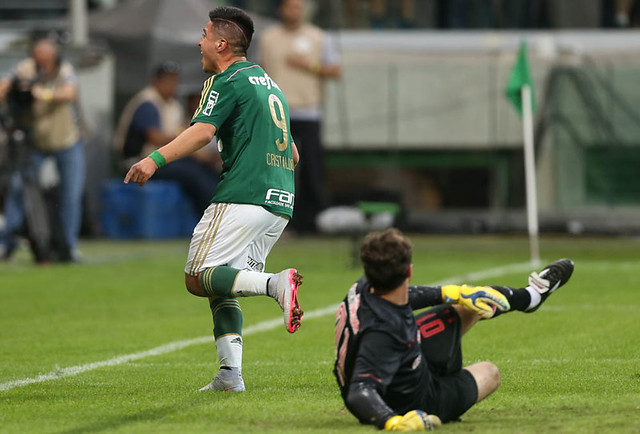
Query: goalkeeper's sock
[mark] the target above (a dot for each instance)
(535, 298)
(227, 331)
(231, 282)
(519, 299)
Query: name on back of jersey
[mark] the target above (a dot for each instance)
(282, 161)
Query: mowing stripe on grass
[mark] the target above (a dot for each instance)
(255, 328)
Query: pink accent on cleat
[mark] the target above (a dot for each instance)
(288, 282)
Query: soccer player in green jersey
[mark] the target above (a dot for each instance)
(253, 202)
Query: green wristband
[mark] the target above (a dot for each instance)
(158, 159)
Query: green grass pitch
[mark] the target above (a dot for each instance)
(573, 366)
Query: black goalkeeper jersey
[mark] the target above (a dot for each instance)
(378, 343)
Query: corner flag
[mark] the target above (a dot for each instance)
(520, 92)
(520, 76)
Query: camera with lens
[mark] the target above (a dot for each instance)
(20, 101)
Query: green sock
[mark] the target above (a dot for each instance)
(227, 331)
(227, 316)
(218, 281)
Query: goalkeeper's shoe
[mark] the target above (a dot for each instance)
(552, 277)
(286, 294)
(227, 380)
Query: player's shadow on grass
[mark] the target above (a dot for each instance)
(116, 422)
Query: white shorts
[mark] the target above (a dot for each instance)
(237, 235)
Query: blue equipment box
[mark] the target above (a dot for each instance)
(157, 210)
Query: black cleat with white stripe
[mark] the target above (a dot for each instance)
(552, 277)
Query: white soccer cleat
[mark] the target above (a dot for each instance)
(286, 294)
(226, 381)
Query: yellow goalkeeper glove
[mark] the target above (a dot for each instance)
(415, 420)
(480, 299)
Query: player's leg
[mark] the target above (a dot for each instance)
(234, 235)
(486, 376)
(215, 241)
(282, 286)
(541, 286)
(227, 333)
(218, 251)
(227, 316)
(453, 390)
(227, 255)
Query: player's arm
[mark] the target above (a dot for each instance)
(190, 140)
(483, 300)
(421, 296)
(377, 361)
(480, 299)
(365, 403)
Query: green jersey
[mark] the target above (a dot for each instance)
(251, 117)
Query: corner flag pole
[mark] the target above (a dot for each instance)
(530, 176)
(519, 91)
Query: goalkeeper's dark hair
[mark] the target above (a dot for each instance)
(235, 25)
(386, 258)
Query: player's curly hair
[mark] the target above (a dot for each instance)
(386, 258)
(236, 26)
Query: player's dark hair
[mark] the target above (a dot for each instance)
(386, 258)
(236, 26)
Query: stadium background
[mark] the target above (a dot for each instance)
(420, 116)
(115, 344)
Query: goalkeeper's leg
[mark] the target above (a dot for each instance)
(541, 286)
(487, 377)
(456, 389)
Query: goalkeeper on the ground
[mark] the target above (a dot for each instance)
(403, 372)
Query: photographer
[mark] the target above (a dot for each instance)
(51, 131)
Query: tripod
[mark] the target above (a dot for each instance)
(19, 173)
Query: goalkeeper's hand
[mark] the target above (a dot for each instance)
(415, 420)
(480, 299)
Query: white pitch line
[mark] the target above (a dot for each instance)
(486, 274)
(255, 328)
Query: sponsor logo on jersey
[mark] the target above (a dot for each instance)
(279, 197)
(212, 99)
(263, 80)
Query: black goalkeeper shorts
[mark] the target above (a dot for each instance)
(453, 390)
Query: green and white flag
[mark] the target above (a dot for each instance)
(520, 76)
